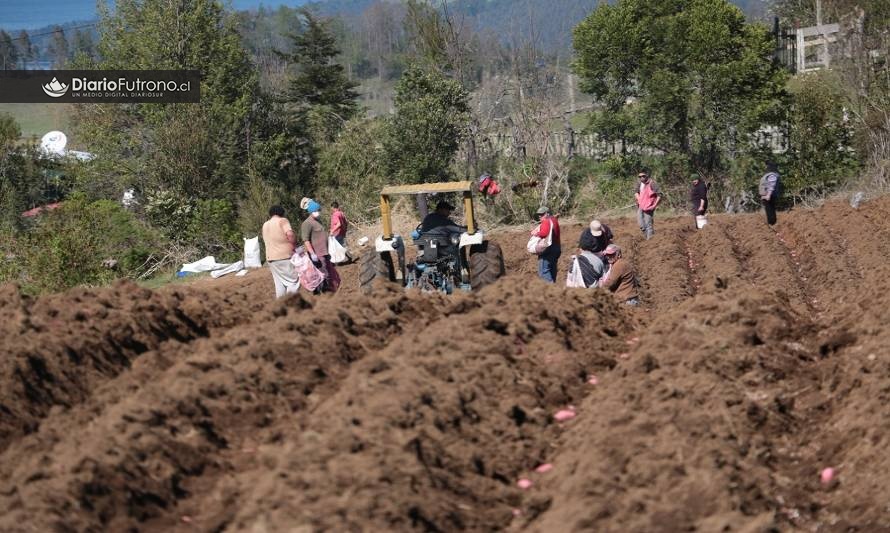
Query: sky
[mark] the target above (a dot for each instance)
(31, 14)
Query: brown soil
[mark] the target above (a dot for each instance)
(758, 359)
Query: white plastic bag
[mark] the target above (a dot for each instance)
(252, 253)
(310, 276)
(574, 278)
(337, 251)
(538, 245)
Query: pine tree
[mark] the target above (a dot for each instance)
(58, 47)
(83, 44)
(9, 55)
(26, 49)
(320, 82)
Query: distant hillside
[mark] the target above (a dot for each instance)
(548, 23)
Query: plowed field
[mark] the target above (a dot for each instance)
(758, 359)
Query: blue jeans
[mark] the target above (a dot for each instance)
(547, 263)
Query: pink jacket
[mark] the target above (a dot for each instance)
(647, 197)
(338, 223)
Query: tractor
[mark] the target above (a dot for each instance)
(466, 261)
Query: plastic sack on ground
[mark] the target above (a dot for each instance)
(252, 253)
(574, 278)
(337, 251)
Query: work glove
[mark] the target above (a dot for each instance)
(314, 258)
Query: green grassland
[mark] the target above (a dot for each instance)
(37, 119)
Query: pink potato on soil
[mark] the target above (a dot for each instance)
(564, 414)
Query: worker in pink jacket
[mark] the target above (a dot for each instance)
(648, 196)
(338, 223)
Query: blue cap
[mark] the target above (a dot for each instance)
(313, 207)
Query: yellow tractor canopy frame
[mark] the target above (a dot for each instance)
(465, 187)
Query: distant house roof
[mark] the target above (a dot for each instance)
(39, 209)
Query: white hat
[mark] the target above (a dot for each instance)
(596, 228)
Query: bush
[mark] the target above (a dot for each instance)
(821, 157)
(169, 211)
(213, 228)
(85, 243)
(351, 170)
(253, 208)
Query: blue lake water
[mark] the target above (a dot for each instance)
(31, 14)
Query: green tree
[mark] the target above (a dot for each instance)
(26, 49)
(189, 150)
(424, 134)
(9, 54)
(24, 175)
(351, 170)
(58, 47)
(83, 44)
(820, 137)
(689, 78)
(320, 90)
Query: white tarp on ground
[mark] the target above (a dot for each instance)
(206, 264)
(234, 267)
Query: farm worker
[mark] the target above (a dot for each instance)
(279, 239)
(698, 196)
(770, 187)
(548, 258)
(315, 239)
(648, 197)
(439, 221)
(338, 223)
(595, 238)
(620, 279)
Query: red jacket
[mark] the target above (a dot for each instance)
(544, 228)
(338, 223)
(647, 195)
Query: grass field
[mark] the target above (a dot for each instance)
(37, 119)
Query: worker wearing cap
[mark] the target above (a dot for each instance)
(620, 279)
(439, 221)
(595, 238)
(648, 197)
(547, 260)
(315, 239)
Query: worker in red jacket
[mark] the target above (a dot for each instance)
(648, 197)
(338, 223)
(548, 228)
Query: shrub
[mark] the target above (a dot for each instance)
(85, 243)
(351, 170)
(213, 227)
(821, 157)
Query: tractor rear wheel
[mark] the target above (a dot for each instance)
(375, 265)
(486, 264)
